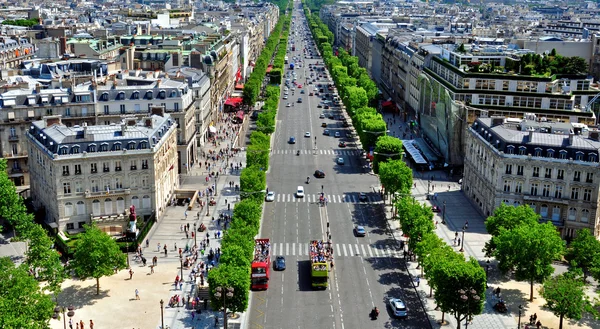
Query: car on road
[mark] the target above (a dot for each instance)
(326, 132)
(307, 134)
(319, 106)
(337, 134)
(292, 140)
(270, 196)
(300, 192)
(310, 94)
(321, 116)
(326, 107)
(359, 231)
(302, 91)
(340, 161)
(299, 99)
(398, 308)
(279, 264)
(288, 105)
(324, 125)
(362, 196)
(285, 97)
(342, 144)
(319, 173)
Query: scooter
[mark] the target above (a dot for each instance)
(374, 314)
(307, 180)
(298, 153)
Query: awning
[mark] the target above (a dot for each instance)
(212, 129)
(239, 86)
(234, 101)
(387, 104)
(414, 153)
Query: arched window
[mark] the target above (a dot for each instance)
(162, 94)
(135, 95)
(572, 214)
(75, 149)
(80, 208)
(510, 149)
(104, 97)
(562, 154)
(173, 93)
(96, 207)
(592, 157)
(143, 145)
(68, 209)
(544, 211)
(108, 206)
(146, 202)
(149, 94)
(522, 150)
(135, 201)
(579, 156)
(120, 205)
(121, 96)
(64, 150)
(537, 152)
(131, 145)
(532, 206)
(92, 148)
(103, 147)
(550, 153)
(585, 216)
(117, 146)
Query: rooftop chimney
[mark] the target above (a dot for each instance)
(38, 88)
(530, 140)
(571, 137)
(158, 82)
(50, 121)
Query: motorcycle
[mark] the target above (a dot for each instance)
(298, 153)
(374, 313)
(307, 180)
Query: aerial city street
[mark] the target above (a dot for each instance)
(300, 164)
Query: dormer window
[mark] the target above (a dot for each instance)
(550, 153)
(143, 145)
(510, 149)
(121, 96)
(537, 152)
(104, 97)
(579, 156)
(117, 146)
(75, 149)
(592, 157)
(149, 94)
(103, 147)
(131, 145)
(92, 148)
(562, 154)
(173, 93)
(522, 150)
(64, 150)
(135, 95)
(162, 94)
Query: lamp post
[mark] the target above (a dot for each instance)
(162, 318)
(207, 205)
(520, 309)
(444, 213)
(462, 243)
(195, 234)
(487, 269)
(225, 292)
(467, 296)
(61, 309)
(181, 263)
(127, 253)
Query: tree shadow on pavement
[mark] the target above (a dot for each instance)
(384, 263)
(80, 296)
(417, 318)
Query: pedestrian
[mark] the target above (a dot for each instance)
(155, 260)
(70, 323)
(77, 327)
(130, 273)
(151, 269)
(185, 214)
(538, 324)
(158, 247)
(181, 228)
(215, 235)
(91, 324)
(165, 252)
(217, 321)
(458, 242)
(218, 234)
(193, 315)
(147, 243)
(181, 285)
(137, 294)
(534, 318)
(186, 234)
(417, 281)
(81, 325)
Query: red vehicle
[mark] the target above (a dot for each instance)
(259, 277)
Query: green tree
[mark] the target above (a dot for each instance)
(228, 276)
(584, 253)
(96, 255)
(386, 148)
(252, 180)
(45, 260)
(24, 304)
(507, 218)
(565, 297)
(12, 207)
(257, 156)
(416, 220)
(260, 139)
(396, 177)
(529, 251)
(248, 211)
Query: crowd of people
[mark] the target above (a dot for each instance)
(321, 251)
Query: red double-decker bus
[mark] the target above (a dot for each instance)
(261, 265)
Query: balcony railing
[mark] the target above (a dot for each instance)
(98, 194)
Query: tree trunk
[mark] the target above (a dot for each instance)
(458, 322)
(560, 321)
(443, 313)
(97, 286)
(431, 293)
(531, 290)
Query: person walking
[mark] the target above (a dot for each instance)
(70, 323)
(91, 324)
(137, 294)
(81, 325)
(158, 247)
(130, 274)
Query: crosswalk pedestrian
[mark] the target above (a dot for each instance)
(340, 250)
(335, 198)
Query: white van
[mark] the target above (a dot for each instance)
(300, 192)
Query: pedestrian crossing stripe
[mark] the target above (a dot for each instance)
(336, 198)
(339, 250)
(320, 152)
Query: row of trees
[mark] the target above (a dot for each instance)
(254, 83)
(237, 246)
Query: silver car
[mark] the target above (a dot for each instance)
(398, 308)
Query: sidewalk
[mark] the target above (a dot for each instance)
(117, 306)
(459, 210)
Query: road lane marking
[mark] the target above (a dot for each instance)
(287, 249)
(293, 249)
(370, 251)
(362, 247)
(345, 253)
(357, 252)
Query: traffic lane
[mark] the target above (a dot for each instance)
(279, 298)
(394, 282)
(355, 293)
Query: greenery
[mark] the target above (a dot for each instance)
(96, 255)
(528, 251)
(21, 22)
(396, 177)
(565, 297)
(24, 304)
(584, 253)
(507, 218)
(387, 148)
(44, 260)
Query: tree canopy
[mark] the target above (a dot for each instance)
(507, 218)
(565, 297)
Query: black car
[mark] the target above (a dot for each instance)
(279, 264)
(319, 174)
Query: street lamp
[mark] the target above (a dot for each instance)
(127, 253)
(487, 269)
(444, 213)
(520, 309)
(162, 318)
(61, 309)
(225, 292)
(195, 234)
(462, 243)
(465, 296)
(181, 263)
(207, 205)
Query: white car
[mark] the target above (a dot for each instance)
(300, 192)
(340, 161)
(270, 196)
(285, 96)
(307, 134)
(288, 105)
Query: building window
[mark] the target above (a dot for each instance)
(536, 171)
(562, 154)
(572, 214)
(70, 226)
(135, 95)
(105, 167)
(589, 177)
(80, 208)
(144, 181)
(121, 96)
(558, 191)
(108, 208)
(544, 211)
(68, 209)
(143, 145)
(579, 156)
(64, 150)
(577, 176)
(587, 195)
(534, 189)
(92, 148)
(135, 201)
(575, 193)
(556, 213)
(13, 132)
(520, 170)
(550, 153)
(131, 145)
(508, 169)
(118, 183)
(548, 173)
(117, 165)
(519, 187)
(560, 174)
(117, 146)
(532, 206)
(96, 207)
(546, 190)
(106, 109)
(122, 108)
(93, 168)
(75, 149)
(537, 152)
(65, 170)
(120, 205)
(67, 188)
(585, 215)
(146, 202)
(144, 164)
(104, 147)
(592, 157)
(68, 112)
(522, 150)
(48, 111)
(133, 164)
(507, 186)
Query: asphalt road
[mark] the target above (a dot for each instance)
(368, 270)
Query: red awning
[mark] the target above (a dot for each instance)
(234, 101)
(240, 115)
(387, 104)
(239, 86)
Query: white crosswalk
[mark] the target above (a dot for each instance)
(339, 250)
(312, 198)
(319, 152)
